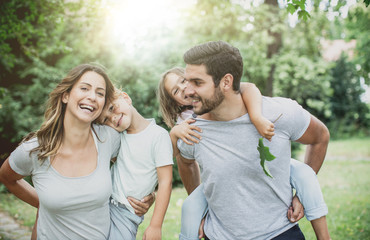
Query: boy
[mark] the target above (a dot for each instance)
(145, 159)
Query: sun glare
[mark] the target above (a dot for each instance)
(132, 20)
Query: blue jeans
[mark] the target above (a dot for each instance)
(302, 178)
(293, 233)
(124, 224)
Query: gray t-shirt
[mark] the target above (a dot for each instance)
(244, 203)
(71, 207)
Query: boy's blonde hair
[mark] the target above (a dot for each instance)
(168, 107)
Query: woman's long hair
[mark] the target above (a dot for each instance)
(169, 108)
(50, 134)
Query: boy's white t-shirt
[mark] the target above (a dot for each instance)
(134, 174)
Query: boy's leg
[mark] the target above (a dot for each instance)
(124, 224)
(308, 190)
(193, 210)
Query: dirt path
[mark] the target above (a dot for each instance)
(10, 229)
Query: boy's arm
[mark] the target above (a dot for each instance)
(252, 99)
(163, 198)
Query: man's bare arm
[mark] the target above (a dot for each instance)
(316, 138)
(189, 173)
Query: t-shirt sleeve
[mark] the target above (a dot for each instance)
(20, 160)
(295, 119)
(115, 138)
(162, 150)
(186, 150)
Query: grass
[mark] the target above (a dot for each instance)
(344, 180)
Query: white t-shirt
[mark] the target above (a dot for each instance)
(71, 207)
(134, 174)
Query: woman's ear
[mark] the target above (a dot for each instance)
(65, 97)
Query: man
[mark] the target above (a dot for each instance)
(243, 202)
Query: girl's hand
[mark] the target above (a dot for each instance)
(152, 233)
(264, 127)
(187, 132)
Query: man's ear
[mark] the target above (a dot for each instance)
(65, 97)
(227, 82)
(127, 98)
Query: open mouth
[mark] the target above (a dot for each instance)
(87, 107)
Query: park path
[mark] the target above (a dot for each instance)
(10, 229)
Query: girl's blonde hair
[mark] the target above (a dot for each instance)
(168, 107)
(50, 134)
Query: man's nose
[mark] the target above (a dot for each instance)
(189, 90)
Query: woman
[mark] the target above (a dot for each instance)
(68, 159)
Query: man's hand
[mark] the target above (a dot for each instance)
(142, 206)
(295, 212)
(201, 229)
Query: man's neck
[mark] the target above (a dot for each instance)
(231, 108)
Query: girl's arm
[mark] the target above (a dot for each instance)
(252, 99)
(17, 185)
(186, 132)
(154, 230)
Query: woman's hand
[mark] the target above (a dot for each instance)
(142, 206)
(188, 133)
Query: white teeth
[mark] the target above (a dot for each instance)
(90, 108)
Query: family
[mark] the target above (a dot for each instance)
(96, 162)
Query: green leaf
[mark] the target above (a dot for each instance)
(265, 155)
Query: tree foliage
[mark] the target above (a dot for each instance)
(41, 40)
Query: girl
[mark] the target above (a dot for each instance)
(176, 110)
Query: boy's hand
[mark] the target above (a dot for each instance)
(187, 132)
(142, 206)
(265, 128)
(295, 212)
(152, 233)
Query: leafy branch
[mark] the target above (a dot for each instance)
(265, 154)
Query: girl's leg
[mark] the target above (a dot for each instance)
(305, 182)
(193, 210)
(308, 190)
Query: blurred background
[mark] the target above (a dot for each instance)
(316, 52)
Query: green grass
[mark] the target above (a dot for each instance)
(344, 179)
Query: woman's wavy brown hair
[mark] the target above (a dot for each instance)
(50, 134)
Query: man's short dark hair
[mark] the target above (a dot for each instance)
(219, 58)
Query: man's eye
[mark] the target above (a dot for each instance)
(183, 80)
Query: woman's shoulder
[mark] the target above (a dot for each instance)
(30, 144)
(104, 131)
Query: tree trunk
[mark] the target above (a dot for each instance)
(274, 47)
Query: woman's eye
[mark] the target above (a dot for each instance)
(84, 89)
(101, 94)
(183, 80)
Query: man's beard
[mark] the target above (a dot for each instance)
(209, 104)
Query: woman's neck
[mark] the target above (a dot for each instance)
(76, 134)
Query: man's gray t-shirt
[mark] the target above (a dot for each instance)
(71, 207)
(244, 203)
